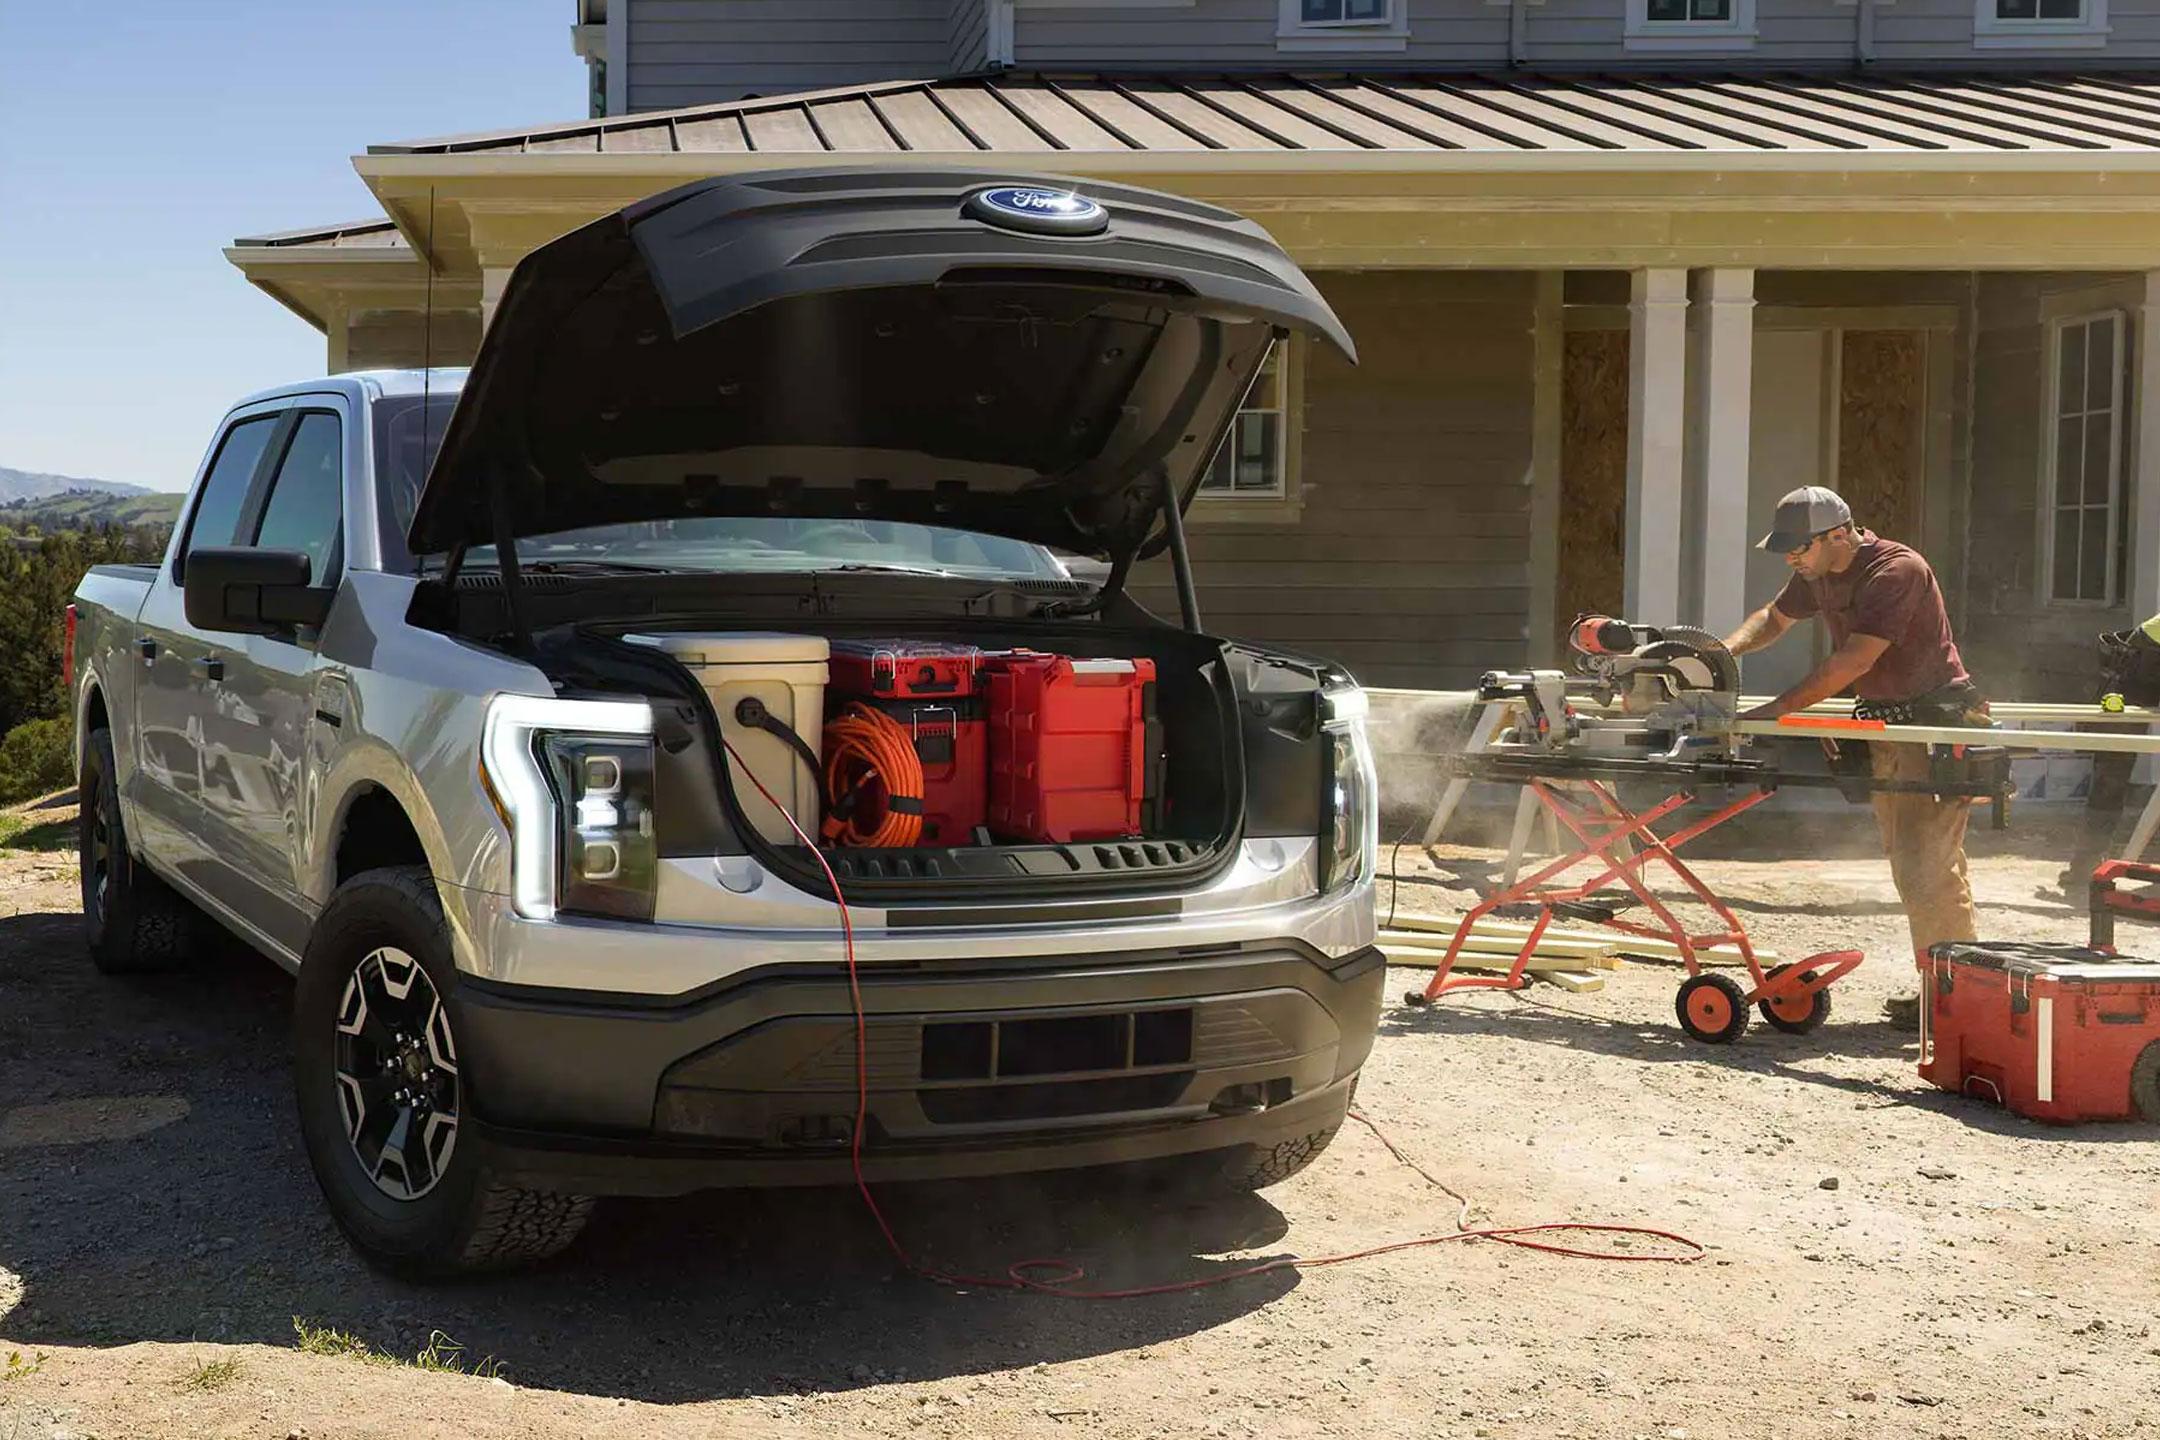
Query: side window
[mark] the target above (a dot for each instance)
(225, 489)
(307, 497)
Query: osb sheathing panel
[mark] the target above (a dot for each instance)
(1882, 465)
(1593, 473)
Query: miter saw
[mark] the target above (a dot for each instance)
(1638, 693)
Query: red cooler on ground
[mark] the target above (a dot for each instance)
(1072, 746)
(2061, 1033)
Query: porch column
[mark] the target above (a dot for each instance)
(1657, 432)
(492, 280)
(1723, 397)
(2145, 482)
(1547, 339)
(337, 331)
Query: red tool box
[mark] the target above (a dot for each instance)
(934, 692)
(1073, 746)
(904, 669)
(2061, 1033)
(950, 741)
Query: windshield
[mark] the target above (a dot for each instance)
(409, 430)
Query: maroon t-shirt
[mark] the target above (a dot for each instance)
(1890, 593)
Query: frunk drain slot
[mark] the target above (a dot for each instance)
(1060, 1045)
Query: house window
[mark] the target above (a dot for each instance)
(2083, 482)
(2039, 24)
(1690, 25)
(1253, 476)
(1343, 12)
(1681, 11)
(1342, 25)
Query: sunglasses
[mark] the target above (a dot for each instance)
(1812, 542)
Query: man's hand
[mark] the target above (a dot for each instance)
(1768, 710)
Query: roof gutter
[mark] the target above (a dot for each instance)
(1107, 163)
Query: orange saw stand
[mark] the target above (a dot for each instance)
(1712, 1008)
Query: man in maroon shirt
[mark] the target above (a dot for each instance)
(1890, 645)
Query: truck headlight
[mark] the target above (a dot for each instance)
(1350, 805)
(573, 781)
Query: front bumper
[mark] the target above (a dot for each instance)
(973, 1067)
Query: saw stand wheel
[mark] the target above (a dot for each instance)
(1712, 1008)
(1798, 1014)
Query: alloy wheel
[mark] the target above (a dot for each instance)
(397, 1075)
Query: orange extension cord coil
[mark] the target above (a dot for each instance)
(871, 773)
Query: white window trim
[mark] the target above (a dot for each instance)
(1294, 34)
(1992, 32)
(2051, 358)
(1736, 33)
(1217, 508)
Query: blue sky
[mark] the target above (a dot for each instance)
(138, 137)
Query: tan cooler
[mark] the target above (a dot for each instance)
(787, 673)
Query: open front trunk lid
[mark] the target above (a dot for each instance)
(945, 347)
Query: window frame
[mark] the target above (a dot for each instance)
(258, 503)
(1283, 507)
(1736, 32)
(272, 414)
(1390, 32)
(2050, 452)
(1992, 31)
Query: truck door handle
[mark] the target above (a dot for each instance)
(213, 668)
(147, 646)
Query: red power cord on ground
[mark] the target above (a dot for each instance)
(1056, 1276)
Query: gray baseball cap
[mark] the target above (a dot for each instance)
(1802, 515)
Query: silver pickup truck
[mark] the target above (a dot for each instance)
(406, 708)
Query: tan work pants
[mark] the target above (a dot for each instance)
(1925, 839)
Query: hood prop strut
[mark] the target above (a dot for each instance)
(506, 557)
(1180, 561)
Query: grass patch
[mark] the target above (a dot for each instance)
(18, 1368)
(50, 837)
(322, 1340)
(209, 1375)
(443, 1355)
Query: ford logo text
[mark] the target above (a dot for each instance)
(1039, 210)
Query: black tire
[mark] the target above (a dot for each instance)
(427, 1207)
(1712, 1009)
(1237, 1170)
(132, 921)
(1817, 1013)
(2145, 1083)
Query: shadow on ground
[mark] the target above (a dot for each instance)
(154, 1189)
(1762, 1051)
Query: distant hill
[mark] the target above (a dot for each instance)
(75, 509)
(35, 485)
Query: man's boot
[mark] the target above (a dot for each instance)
(1903, 1013)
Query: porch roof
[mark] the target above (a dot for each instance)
(1108, 115)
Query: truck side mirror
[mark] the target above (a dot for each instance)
(252, 592)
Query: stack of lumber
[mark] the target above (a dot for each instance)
(1565, 957)
(1570, 960)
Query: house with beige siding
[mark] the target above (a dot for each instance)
(1620, 273)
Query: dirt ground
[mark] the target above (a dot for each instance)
(1884, 1260)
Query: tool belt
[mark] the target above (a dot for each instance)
(1955, 704)
(1978, 771)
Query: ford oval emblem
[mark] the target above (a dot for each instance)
(1038, 209)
